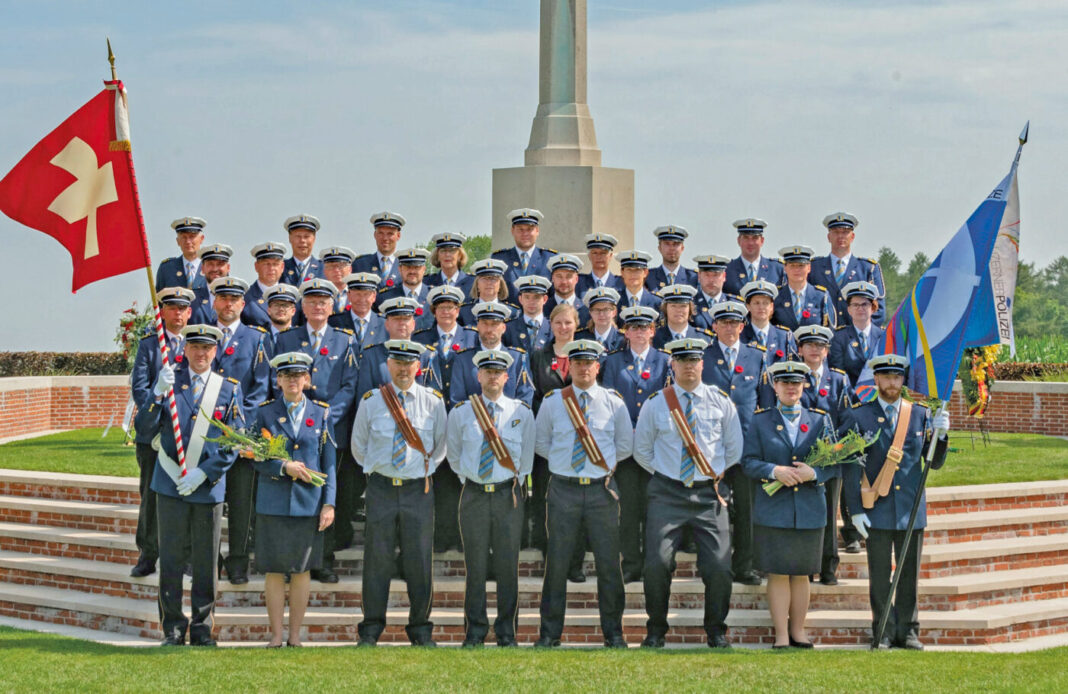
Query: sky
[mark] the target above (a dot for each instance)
(245, 113)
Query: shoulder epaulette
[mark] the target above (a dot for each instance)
(858, 404)
(782, 327)
(762, 348)
(614, 392)
(320, 403)
(167, 260)
(722, 392)
(461, 404)
(266, 402)
(920, 404)
(468, 327)
(835, 368)
(500, 250)
(466, 349)
(653, 396)
(820, 287)
(817, 410)
(368, 394)
(706, 331)
(841, 327)
(440, 396)
(347, 331)
(520, 350)
(617, 350)
(233, 380)
(523, 403)
(873, 261)
(430, 348)
(759, 410)
(548, 394)
(551, 250)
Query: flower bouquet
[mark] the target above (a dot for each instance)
(265, 446)
(827, 452)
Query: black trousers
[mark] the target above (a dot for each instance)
(240, 514)
(829, 561)
(351, 483)
(849, 533)
(633, 480)
(189, 533)
(904, 615)
(147, 537)
(570, 506)
(447, 488)
(741, 519)
(398, 514)
(489, 521)
(672, 508)
(534, 535)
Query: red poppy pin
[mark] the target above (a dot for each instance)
(389, 282)
(311, 422)
(418, 310)
(780, 354)
(646, 374)
(177, 358)
(554, 366)
(803, 427)
(823, 392)
(806, 313)
(229, 350)
(739, 369)
(419, 372)
(348, 307)
(324, 351)
(455, 347)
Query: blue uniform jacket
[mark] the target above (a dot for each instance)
(858, 270)
(214, 460)
(369, 263)
(583, 310)
(663, 335)
(892, 511)
(747, 385)
(278, 494)
(516, 334)
(203, 313)
(374, 332)
(846, 354)
(423, 317)
(703, 318)
(463, 338)
(171, 273)
(770, 269)
(514, 268)
(255, 311)
(657, 278)
(612, 343)
(619, 373)
(314, 269)
(374, 372)
(463, 282)
(817, 304)
(586, 283)
(143, 379)
(803, 506)
(647, 299)
(831, 394)
(333, 377)
(464, 382)
(245, 360)
(779, 344)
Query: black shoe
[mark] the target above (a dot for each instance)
(205, 641)
(828, 579)
(294, 645)
(547, 642)
(748, 578)
(688, 547)
(173, 641)
(506, 642)
(883, 645)
(632, 576)
(800, 644)
(471, 643)
(718, 641)
(653, 642)
(238, 577)
(577, 576)
(325, 575)
(853, 547)
(366, 642)
(781, 647)
(616, 642)
(913, 643)
(425, 643)
(144, 567)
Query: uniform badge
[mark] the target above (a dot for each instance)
(854, 344)
(522, 336)
(719, 362)
(515, 423)
(880, 420)
(787, 304)
(630, 368)
(179, 273)
(515, 263)
(259, 301)
(303, 344)
(778, 427)
(826, 272)
(281, 420)
(185, 387)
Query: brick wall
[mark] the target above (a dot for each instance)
(44, 403)
(1018, 406)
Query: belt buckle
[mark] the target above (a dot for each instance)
(489, 488)
(584, 480)
(397, 482)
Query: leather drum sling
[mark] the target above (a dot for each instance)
(411, 436)
(689, 440)
(493, 438)
(582, 431)
(870, 492)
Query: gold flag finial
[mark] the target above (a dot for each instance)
(111, 59)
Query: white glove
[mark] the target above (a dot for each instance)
(165, 381)
(861, 523)
(941, 421)
(193, 479)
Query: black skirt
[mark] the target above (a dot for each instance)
(787, 551)
(288, 544)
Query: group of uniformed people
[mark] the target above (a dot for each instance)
(632, 415)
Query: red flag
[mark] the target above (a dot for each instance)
(77, 185)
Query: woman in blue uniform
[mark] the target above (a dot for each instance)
(788, 525)
(291, 512)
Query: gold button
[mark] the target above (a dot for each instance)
(296, 446)
(897, 487)
(795, 490)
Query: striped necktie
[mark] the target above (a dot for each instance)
(361, 325)
(446, 346)
(485, 458)
(387, 265)
(790, 412)
(226, 337)
(891, 415)
(797, 306)
(863, 339)
(532, 334)
(524, 260)
(671, 278)
(730, 357)
(172, 343)
(190, 274)
(839, 273)
(400, 447)
(318, 340)
(633, 300)
(198, 387)
(293, 407)
(638, 364)
(578, 453)
(686, 472)
(750, 272)
(761, 340)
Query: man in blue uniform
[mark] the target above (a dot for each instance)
(302, 265)
(398, 315)
(269, 266)
(582, 448)
(841, 267)
(400, 498)
(750, 265)
(881, 492)
(683, 496)
(711, 274)
(634, 270)
(599, 249)
(490, 316)
(525, 257)
(281, 307)
(563, 272)
(242, 357)
(367, 326)
(859, 339)
(214, 263)
(530, 330)
(189, 501)
(382, 262)
(670, 242)
(798, 302)
(777, 341)
(412, 264)
(635, 370)
(184, 270)
(337, 266)
(174, 310)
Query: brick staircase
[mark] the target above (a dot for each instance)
(995, 571)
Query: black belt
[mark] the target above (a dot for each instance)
(696, 484)
(491, 487)
(578, 481)
(396, 481)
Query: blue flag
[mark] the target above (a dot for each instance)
(952, 305)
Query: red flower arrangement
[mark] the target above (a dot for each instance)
(806, 313)
(324, 351)
(739, 369)
(803, 428)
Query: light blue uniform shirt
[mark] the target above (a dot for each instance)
(658, 445)
(372, 433)
(515, 424)
(608, 421)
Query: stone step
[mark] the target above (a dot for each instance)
(948, 593)
(826, 627)
(68, 513)
(962, 558)
(64, 485)
(991, 525)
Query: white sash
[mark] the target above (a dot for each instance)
(200, 429)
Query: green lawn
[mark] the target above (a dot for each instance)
(1007, 457)
(40, 662)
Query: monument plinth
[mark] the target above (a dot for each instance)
(563, 176)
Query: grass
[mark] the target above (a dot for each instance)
(1005, 458)
(1047, 349)
(42, 662)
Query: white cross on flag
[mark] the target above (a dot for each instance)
(77, 185)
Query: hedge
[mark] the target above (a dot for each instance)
(62, 364)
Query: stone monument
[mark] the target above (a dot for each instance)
(562, 175)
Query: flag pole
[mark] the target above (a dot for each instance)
(172, 406)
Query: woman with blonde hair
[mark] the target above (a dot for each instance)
(450, 257)
(488, 285)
